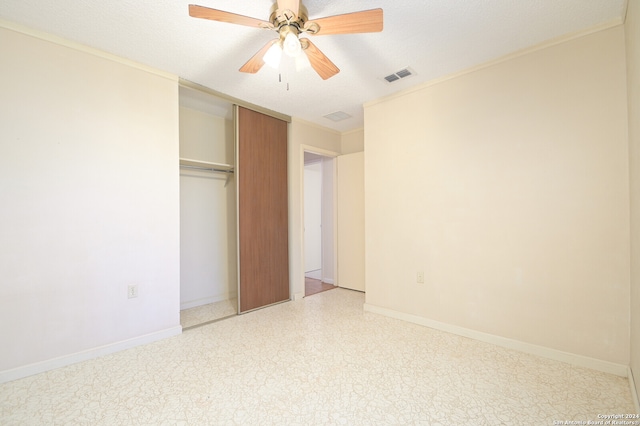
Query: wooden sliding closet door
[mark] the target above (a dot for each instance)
(263, 240)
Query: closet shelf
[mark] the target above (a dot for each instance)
(206, 165)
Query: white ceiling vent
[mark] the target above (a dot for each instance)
(337, 116)
(398, 75)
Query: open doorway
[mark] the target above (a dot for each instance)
(319, 223)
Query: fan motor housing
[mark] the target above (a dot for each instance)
(281, 17)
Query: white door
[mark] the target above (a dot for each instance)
(351, 221)
(313, 220)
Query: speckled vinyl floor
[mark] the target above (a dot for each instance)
(317, 361)
(205, 314)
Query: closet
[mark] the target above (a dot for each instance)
(233, 208)
(208, 239)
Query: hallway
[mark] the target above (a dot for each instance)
(313, 286)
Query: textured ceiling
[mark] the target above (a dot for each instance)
(433, 37)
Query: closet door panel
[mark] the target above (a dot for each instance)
(262, 210)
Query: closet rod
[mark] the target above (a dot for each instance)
(209, 169)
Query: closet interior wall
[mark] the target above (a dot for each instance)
(208, 240)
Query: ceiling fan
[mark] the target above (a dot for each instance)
(289, 19)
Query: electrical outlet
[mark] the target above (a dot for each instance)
(132, 291)
(420, 277)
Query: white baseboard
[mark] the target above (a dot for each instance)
(578, 360)
(315, 274)
(328, 280)
(206, 301)
(51, 364)
(634, 391)
(297, 296)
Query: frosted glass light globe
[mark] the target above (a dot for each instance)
(291, 45)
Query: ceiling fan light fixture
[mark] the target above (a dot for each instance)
(291, 45)
(273, 56)
(289, 19)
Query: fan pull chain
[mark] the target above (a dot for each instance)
(280, 80)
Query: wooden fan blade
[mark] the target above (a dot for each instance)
(292, 5)
(366, 21)
(256, 62)
(323, 66)
(222, 16)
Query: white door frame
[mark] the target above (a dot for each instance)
(332, 155)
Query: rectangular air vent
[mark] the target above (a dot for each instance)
(403, 73)
(337, 116)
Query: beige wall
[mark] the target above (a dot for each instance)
(302, 133)
(205, 136)
(350, 197)
(352, 141)
(508, 186)
(632, 29)
(89, 204)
